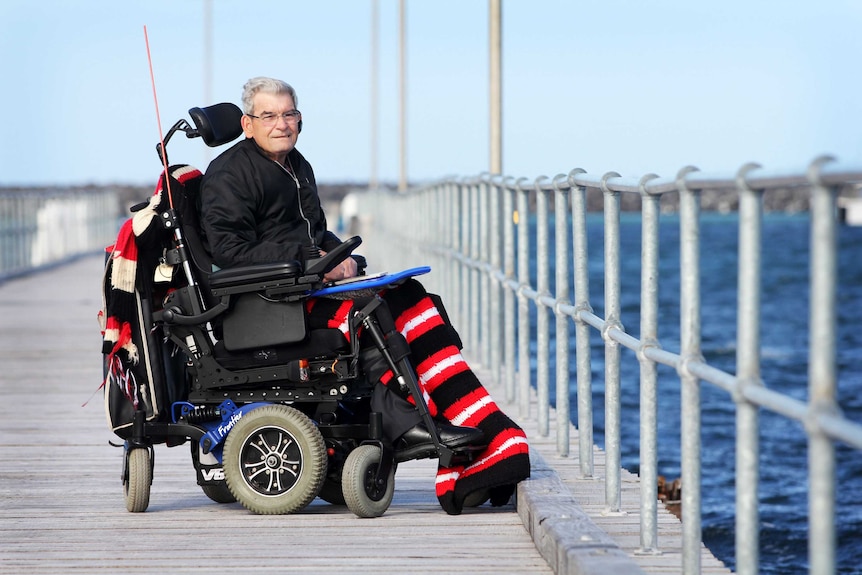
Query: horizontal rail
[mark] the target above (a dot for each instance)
(752, 176)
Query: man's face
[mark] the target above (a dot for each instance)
(276, 138)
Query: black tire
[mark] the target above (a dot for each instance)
(274, 460)
(363, 497)
(138, 478)
(218, 490)
(331, 492)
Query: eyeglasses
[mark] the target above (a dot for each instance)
(290, 117)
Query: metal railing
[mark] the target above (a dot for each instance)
(469, 230)
(42, 227)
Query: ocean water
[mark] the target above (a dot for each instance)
(784, 366)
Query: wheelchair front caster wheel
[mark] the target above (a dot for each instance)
(364, 497)
(137, 478)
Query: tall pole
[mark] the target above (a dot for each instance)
(496, 86)
(402, 60)
(372, 181)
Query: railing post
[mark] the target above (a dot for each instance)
(612, 348)
(822, 381)
(450, 261)
(439, 236)
(523, 258)
(543, 326)
(650, 211)
(484, 277)
(748, 372)
(442, 236)
(422, 205)
(690, 344)
(464, 243)
(458, 267)
(475, 280)
(561, 288)
(508, 292)
(495, 328)
(581, 264)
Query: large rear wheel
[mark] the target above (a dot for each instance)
(274, 460)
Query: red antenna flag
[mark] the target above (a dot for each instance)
(164, 153)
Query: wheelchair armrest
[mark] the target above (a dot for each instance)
(173, 315)
(259, 277)
(327, 263)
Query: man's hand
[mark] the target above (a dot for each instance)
(346, 269)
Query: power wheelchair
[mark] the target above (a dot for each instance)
(275, 414)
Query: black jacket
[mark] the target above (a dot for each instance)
(253, 212)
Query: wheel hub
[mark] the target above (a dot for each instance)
(374, 490)
(271, 461)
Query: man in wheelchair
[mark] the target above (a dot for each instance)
(219, 326)
(259, 204)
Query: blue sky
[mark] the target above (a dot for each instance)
(602, 85)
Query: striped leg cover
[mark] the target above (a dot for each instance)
(460, 398)
(452, 392)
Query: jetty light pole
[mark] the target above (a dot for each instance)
(496, 86)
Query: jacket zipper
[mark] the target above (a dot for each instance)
(298, 198)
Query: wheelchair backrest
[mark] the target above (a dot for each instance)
(216, 125)
(185, 190)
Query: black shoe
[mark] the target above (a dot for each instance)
(453, 436)
(477, 498)
(417, 442)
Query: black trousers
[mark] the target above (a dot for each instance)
(399, 415)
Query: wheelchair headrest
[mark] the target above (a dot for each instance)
(217, 124)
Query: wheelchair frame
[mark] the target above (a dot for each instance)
(272, 436)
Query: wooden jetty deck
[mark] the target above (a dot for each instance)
(62, 508)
